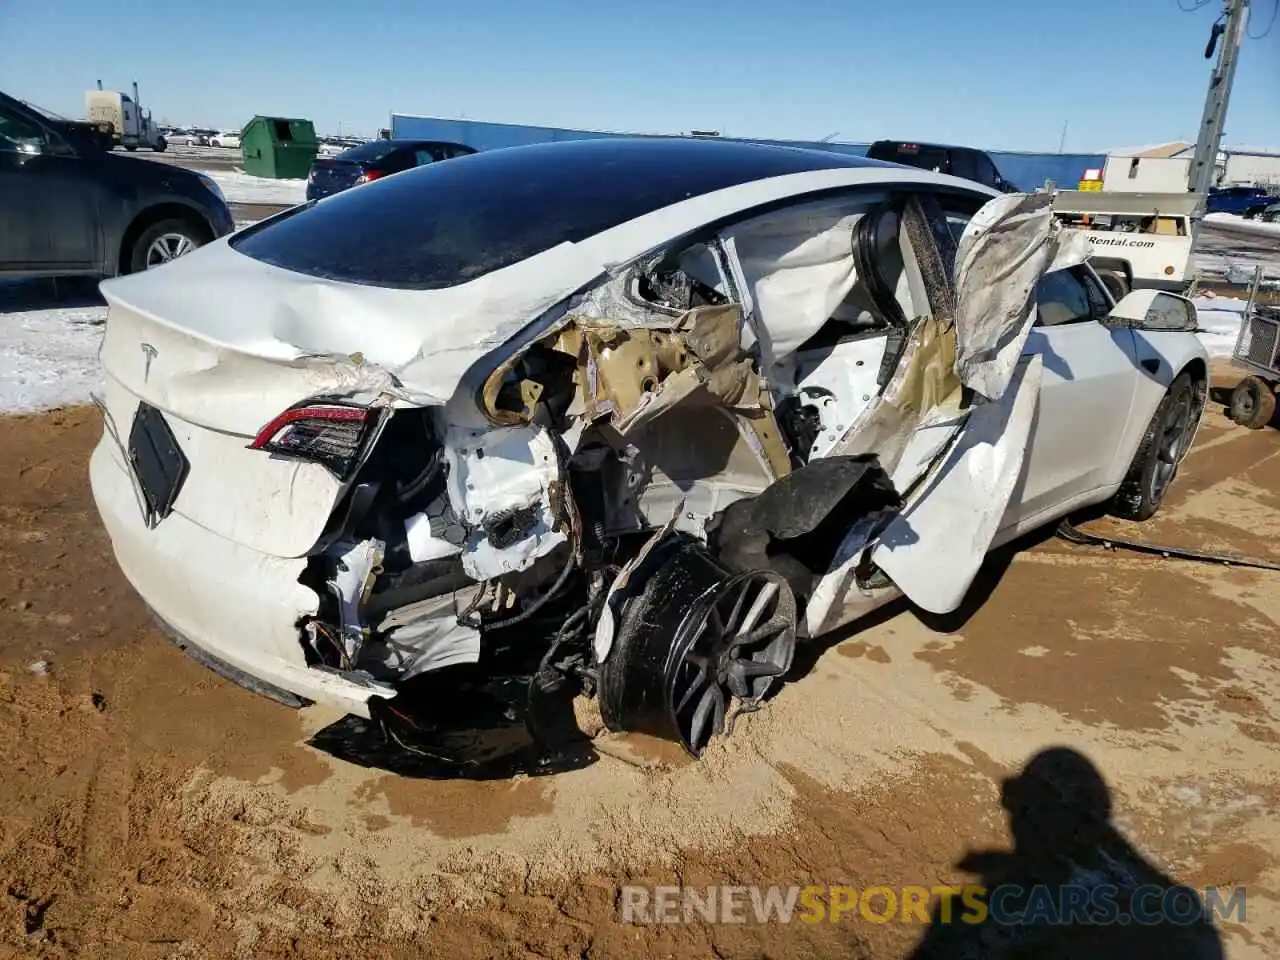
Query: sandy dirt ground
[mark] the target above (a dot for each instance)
(149, 809)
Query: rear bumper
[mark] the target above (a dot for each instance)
(319, 193)
(233, 604)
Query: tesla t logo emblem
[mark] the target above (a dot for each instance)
(149, 352)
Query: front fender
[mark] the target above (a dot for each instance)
(1160, 357)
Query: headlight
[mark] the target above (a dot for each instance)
(212, 186)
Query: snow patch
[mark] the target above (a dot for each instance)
(241, 187)
(1256, 228)
(1219, 320)
(48, 356)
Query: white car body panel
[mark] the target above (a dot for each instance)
(933, 549)
(239, 604)
(235, 341)
(1086, 396)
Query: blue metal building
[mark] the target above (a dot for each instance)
(1025, 170)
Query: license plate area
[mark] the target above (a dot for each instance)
(158, 463)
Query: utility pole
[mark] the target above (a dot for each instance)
(1230, 29)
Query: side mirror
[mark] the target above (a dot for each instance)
(1155, 310)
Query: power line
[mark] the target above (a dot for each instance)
(1275, 12)
(1194, 7)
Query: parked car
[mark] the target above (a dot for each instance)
(377, 158)
(199, 138)
(964, 162)
(70, 206)
(583, 404)
(228, 138)
(1242, 201)
(1270, 213)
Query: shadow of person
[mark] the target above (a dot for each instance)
(1072, 887)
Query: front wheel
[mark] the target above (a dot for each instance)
(160, 145)
(1162, 450)
(162, 242)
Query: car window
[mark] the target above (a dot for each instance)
(18, 134)
(925, 157)
(1068, 296)
(448, 223)
(986, 169)
(373, 150)
(962, 165)
(424, 156)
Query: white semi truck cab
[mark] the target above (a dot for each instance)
(1140, 240)
(130, 125)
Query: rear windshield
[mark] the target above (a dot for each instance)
(446, 223)
(920, 155)
(373, 150)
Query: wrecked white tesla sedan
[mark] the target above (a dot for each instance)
(649, 410)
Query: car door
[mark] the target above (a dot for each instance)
(49, 200)
(1087, 391)
(23, 231)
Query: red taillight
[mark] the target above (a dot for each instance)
(330, 434)
(370, 175)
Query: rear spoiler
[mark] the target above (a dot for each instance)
(1110, 201)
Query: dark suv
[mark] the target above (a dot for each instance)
(68, 206)
(963, 162)
(1243, 201)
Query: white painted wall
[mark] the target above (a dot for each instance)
(1253, 168)
(1146, 174)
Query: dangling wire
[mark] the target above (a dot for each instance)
(1275, 12)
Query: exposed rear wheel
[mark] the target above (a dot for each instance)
(1253, 403)
(696, 639)
(1162, 449)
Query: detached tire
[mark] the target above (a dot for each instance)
(1162, 449)
(1253, 403)
(161, 242)
(1117, 284)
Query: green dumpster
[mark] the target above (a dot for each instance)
(282, 148)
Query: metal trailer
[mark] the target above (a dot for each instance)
(1140, 240)
(1257, 349)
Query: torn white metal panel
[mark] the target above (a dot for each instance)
(837, 598)
(923, 379)
(350, 586)
(934, 548)
(426, 543)
(425, 636)
(230, 601)
(1007, 247)
(500, 483)
(839, 383)
(930, 440)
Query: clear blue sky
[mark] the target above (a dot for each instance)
(993, 73)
